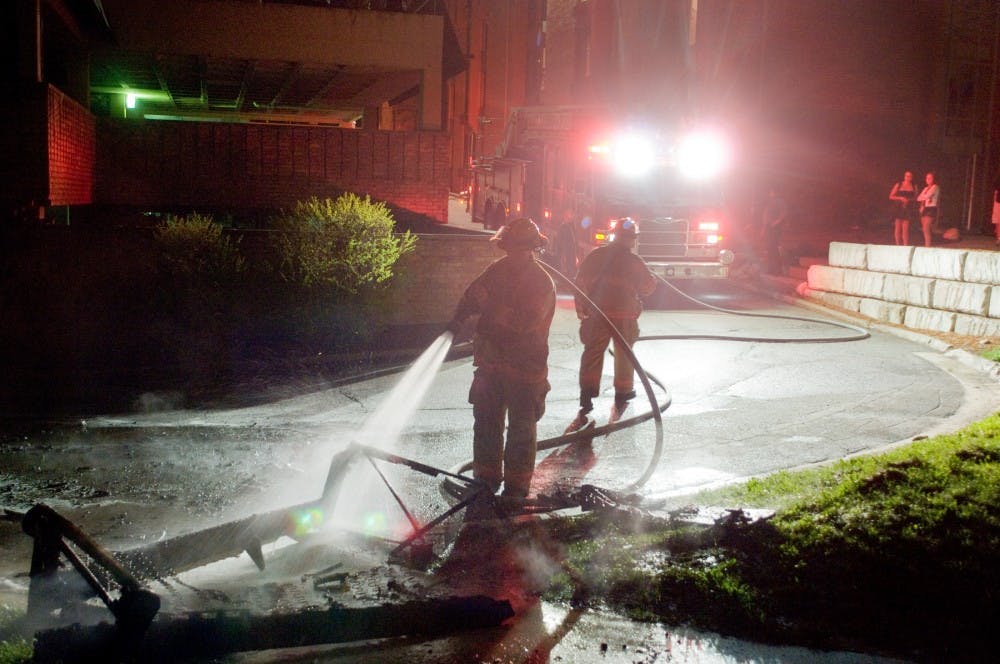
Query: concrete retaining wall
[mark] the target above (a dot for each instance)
(924, 288)
(431, 279)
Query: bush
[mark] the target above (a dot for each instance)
(195, 251)
(343, 244)
(14, 648)
(201, 289)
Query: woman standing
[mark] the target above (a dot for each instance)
(904, 198)
(928, 199)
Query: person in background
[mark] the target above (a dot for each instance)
(928, 199)
(515, 300)
(773, 221)
(904, 208)
(614, 278)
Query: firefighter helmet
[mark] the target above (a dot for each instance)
(625, 229)
(520, 233)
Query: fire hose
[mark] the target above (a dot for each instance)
(450, 489)
(135, 609)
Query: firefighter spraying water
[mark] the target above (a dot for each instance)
(515, 300)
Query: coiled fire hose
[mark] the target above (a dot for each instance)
(451, 489)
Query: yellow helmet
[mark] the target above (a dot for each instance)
(520, 233)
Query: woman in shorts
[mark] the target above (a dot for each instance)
(904, 208)
(928, 199)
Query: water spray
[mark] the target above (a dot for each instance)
(383, 428)
(169, 557)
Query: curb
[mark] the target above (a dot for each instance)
(981, 364)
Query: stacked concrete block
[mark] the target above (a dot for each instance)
(936, 320)
(863, 283)
(961, 296)
(908, 290)
(976, 326)
(847, 302)
(940, 263)
(845, 254)
(889, 258)
(826, 278)
(927, 288)
(982, 267)
(889, 312)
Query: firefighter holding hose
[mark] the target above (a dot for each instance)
(515, 300)
(614, 278)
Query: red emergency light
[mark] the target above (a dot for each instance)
(711, 228)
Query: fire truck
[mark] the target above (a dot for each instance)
(575, 170)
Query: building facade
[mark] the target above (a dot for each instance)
(137, 102)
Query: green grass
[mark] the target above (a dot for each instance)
(13, 649)
(992, 354)
(897, 553)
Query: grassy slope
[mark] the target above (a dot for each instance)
(898, 554)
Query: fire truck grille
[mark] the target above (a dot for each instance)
(669, 238)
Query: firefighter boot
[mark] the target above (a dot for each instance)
(620, 405)
(583, 420)
(482, 508)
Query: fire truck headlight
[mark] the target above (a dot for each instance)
(702, 155)
(633, 155)
(726, 257)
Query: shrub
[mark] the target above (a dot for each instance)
(343, 244)
(201, 289)
(195, 251)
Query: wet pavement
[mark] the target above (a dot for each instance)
(737, 410)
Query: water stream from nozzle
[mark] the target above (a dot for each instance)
(382, 429)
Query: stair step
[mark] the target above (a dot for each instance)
(806, 261)
(797, 272)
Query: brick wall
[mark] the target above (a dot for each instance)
(268, 166)
(71, 149)
(48, 142)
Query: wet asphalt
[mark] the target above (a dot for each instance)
(738, 409)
